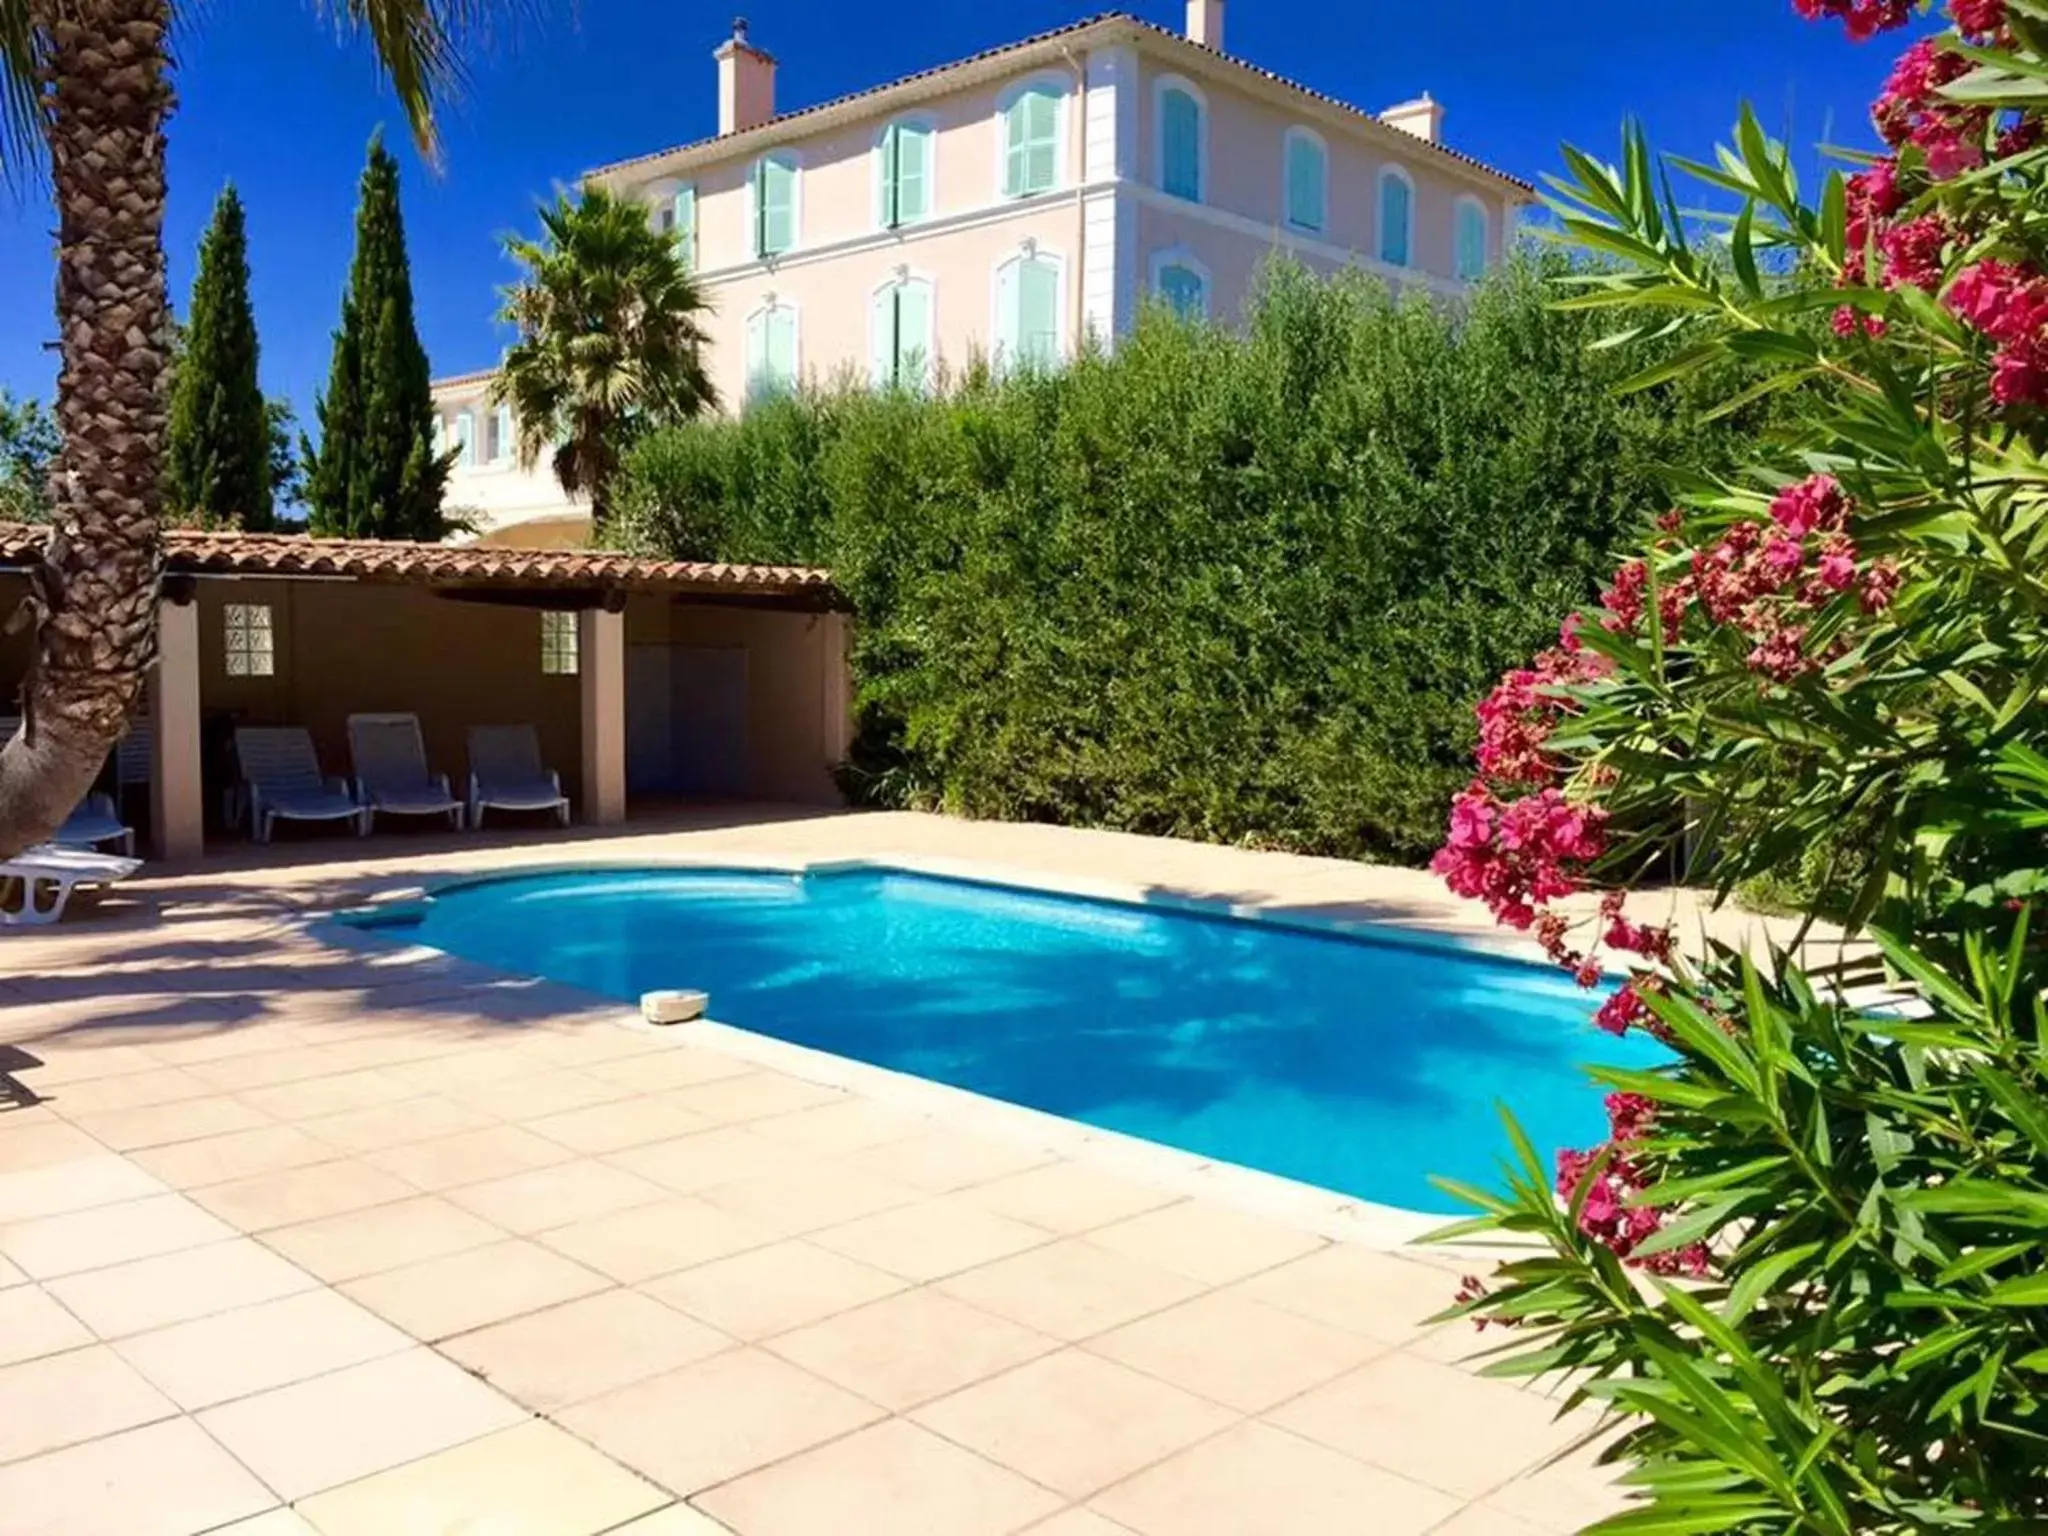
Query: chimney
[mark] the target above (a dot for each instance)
(1205, 23)
(746, 82)
(1423, 117)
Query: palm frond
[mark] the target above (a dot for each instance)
(420, 45)
(21, 128)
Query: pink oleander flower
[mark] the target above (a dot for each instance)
(1861, 19)
(1624, 599)
(1849, 321)
(1816, 504)
(1838, 564)
(1978, 18)
(1912, 252)
(1880, 586)
(1623, 1009)
(1784, 556)
(1781, 654)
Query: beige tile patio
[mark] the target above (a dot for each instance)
(676, 1520)
(252, 1349)
(615, 1127)
(649, 1240)
(276, 1522)
(545, 1091)
(33, 1324)
(1478, 1520)
(1568, 1495)
(317, 1097)
(556, 1196)
(129, 1090)
(59, 1400)
(167, 1479)
(157, 1125)
(677, 1066)
(382, 1237)
(1073, 1421)
(1433, 1423)
(806, 1199)
(65, 1061)
(565, 1354)
(173, 1287)
(237, 1155)
(931, 1239)
(1070, 1197)
(377, 1127)
(301, 1194)
(532, 1480)
(469, 1157)
(745, 1408)
(1375, 1294)
(109, 1234)
(843, 1125)
(752, 1096)
(1255, 1480)
(460, 1291)
(334, 1429)
(939, 1160)
(688, 1164)
(72, 1184)
(1206, 1242)
(37, 1138)
(892, 1477)
(1070, 1289)
(1241, 1353)
(1077, 1522)
(773, 1289)
(907, 1349)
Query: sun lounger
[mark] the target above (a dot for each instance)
(284, 780)
(95, 821)
(36, 884)
(391, 768)
(505, 772)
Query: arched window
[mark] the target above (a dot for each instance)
(1028, 311)
(1305, 179)
(904, 167)
(1183, 283)
(775, 204)
(1397, 217)
(1182, 131)
(1469, 239)
(900, 346)
(1031, 141)
(771, 351)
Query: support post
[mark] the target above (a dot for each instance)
(838, 700)
(177, 794)
(601, 662)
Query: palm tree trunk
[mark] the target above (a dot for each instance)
(106, 95)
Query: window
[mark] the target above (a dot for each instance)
(906, 170)
(1031, 132)
(900, 334)
(774, 205)
(465, 438)
(1469, 240)
(251, 643)
(1183, 283)
(1181, 151)
(501, 434)
(681, 225)
(1397, 216)
(558, 655)
(1306, 178)
(1028, 311)
(771, 351)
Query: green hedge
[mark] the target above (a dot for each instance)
(1234, 586)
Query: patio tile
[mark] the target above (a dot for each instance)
(277, 1522)
(548, 1090)
(806, 1199)
(743, 1409)
(891, 1477)
(1241, 1353)
(695, 1162)
(1077, 1522)
(129, 1090)
(677, 1066)
(481, 1063)
(382, 1237)
(158, 1125)
(941, 1160)
(557, 1196)
(1255, 1480)
(60, 1400)
(174, 1287)
(614, 1127)
(73, 1184)
(1430, 1422)
(1206, 1242)
(167, 1479)
(461, 1291)
(649, 1240)
(932, 1239)
(69, 1061)
(238, 1155)
(10, 1273)
(910, 1348)
(301, 1194)
(752, 1096)
(676, 1520)
(1568, 1495)
(548, 1360)
(1073, 1421)
(377, 1127)
(314, 1097)
(1478, 1520)
(33, 1324)
(1070, 1289)
(252, 1349)
(1067, 1196)
(1374, 1294)
(39, 1139)
(532, 1480)
(844, 1125)
(773, 1289)
(471, 1157)
(264, 1069)
(109, 1234)
(334, 1429)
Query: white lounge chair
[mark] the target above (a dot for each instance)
(36, 884)
(505, 771)
(391, 769)
(284, 781)
(97, 820)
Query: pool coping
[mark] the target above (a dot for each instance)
(1306, 1207)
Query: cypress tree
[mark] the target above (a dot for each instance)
(375, 473)
(217, 461)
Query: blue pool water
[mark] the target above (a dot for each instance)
(1357, 1064)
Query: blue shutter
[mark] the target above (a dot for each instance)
(1183, 289)
(1471, 240)
(1180, 145)
(684, 226)
(782, 348)
(1031, 143)
(1305, 184)
(774, 207)
(1038, 313)
(913, 172)
(465, 438)
(502, 448)
(1395, 212)
(913, 359)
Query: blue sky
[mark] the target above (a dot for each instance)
(270, 100)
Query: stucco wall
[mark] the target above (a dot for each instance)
(500, 494)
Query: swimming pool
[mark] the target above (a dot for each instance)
(1359, 1064)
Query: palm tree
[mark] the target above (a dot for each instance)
(609, 341)
(88, 82)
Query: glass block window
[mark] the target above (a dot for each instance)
(558, 644)
(251, 642)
